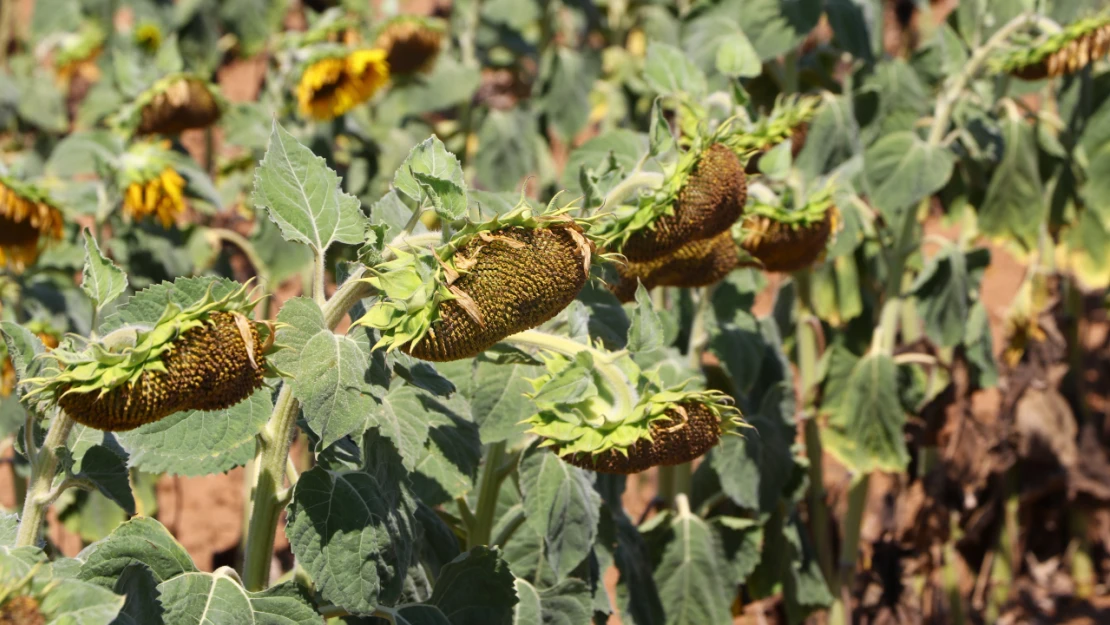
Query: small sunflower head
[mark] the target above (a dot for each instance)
(209, 356)
(175, 104)
(28, 218)
(1066, 52)
(491, 280)
(785, 240)
(335, 80)
(151, 186)
(665, 427)
(76, 53)
(148, 37)
(698, 263)
(411, 42)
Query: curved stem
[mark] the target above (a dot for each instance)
(489, 486)
(636, 181)
(516, 518)
(948, 98)
(221, 235)
(44, 467)
(621, 386)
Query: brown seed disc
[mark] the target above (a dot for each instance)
(207, 368)
(676, 441)
(514, 288)
(783, 248)
(700, 263)
(709, 203)
(22, 610)
(184, 104)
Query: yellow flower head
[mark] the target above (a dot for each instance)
(27, 216)
(332, 85)
(151, 185)
(148, 36)
(176, 104)
(411, 44)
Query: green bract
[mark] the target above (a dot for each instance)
(1078, 44)
(490, 280)
(584, 414)
(787, 116)
(204, 357)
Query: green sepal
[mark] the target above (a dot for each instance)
(1032, 54)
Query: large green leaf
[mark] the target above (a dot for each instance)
(476, 588)
(499, 400)
(901, 169)
(302, 196)
(774, 27)
(141, 540)
(624, 147)
(854, 25)
(430, 170)
(101, 280)
(96, 456)
(200, 442)
(670, 72)
(446, 470)
(1015, 203)
(832, 138)
(693, 575)
(561, 506)
(944, 292)
(509, 149)
(9, 527)
(354, 534)
(401, 417)
(219, 599)
(566, 100)
(754, 467)
(568, 603)
(143, 605)
(866, 431)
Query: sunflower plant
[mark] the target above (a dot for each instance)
(521, 313)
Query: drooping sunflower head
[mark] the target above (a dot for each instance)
(208, 356)
(335, 80)
(698, 263)
(411, 42)
(491, 280)
(665, 427)
(1079, 44)
(784, 240)
(701, 198)
(76, 53)
(174, 104)
(789, 119)
(151, 186)
(28, 219)
(148, 36)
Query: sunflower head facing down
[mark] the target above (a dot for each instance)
(151, 185)
(411, 42)
(28, 217)
(175, 104)
(337, 80)
(76, 54)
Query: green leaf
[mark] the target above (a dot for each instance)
(23, 348)
(509, 149)
(832, 138)
(499, 400)
(1015, 206)
(448, 199)
(302, 196)
(101, 279)
(200, 442)
(737, 58)
(429, 157)
(743, 544)
(621, 146)
(669, 72)
(9, 527)
(476, 588)
(804, 587)
(41, 103)
(866, 432)
(659, 130)
(450, 461)
(980, 351)
(944, 292)
(901, 170)
(690, 580)
(252, 22)
(148, 305)
(755, 467)
(561, 506)
(354, 534)
(108, 472)
(646, 332)
(566, 100)
(219, 599)
(401, 417)
(143, 604)
(78, 603)
(854, 24)
(141, 540)
(331, 386)
(567, 603)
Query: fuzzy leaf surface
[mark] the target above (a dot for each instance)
(101, 279)
(302, 195)
(354, 534)
(690, 580)
(142, 540)
(900, 169)
(218, 599)
(562, 507)
(476, 588)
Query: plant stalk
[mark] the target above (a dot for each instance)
(636, 181)
(489, 486)
(44, 467)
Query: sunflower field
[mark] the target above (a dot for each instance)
(564, 312)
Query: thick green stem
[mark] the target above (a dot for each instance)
(624, 394)
(318, 273)
(44, 468)
(636, 181)
(849, 547)
(489, 486)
